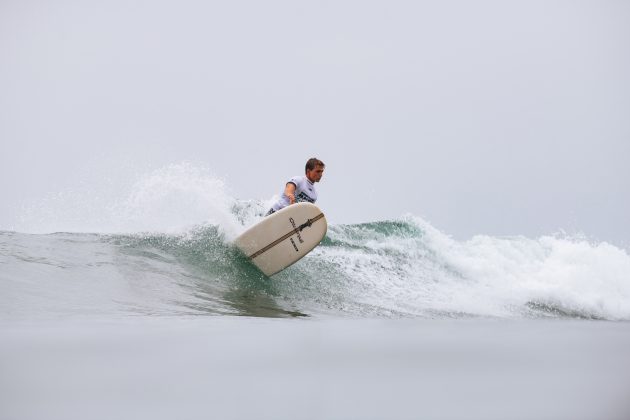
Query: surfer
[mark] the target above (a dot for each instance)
(301, 188)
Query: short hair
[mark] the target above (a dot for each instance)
(312, 163)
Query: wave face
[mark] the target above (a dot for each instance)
(384, 269)
(186, 265)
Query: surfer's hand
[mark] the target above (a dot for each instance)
(291, 198)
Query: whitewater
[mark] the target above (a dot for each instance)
(131, 302)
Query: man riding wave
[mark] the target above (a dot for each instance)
(301, 188)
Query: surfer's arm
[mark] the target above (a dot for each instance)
(289, 191)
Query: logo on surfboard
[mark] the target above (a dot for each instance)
(294, 245)
(297, 230)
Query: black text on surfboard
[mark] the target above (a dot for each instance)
(294, 245)
(297, 231)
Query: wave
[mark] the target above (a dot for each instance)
(397, 268)
(163, 248)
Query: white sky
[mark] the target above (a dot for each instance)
(491, 117)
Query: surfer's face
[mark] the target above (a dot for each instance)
(314, 175)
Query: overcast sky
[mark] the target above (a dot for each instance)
(484, 117)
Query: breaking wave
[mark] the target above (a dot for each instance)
(186, 265)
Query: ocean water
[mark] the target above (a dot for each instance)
(136, 306)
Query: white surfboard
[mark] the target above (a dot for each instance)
(283, 237)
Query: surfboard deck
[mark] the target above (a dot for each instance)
(284, 237)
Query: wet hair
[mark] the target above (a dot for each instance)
(312, 163)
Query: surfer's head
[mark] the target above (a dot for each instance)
(314, 169)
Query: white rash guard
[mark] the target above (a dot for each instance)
(304, 191)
